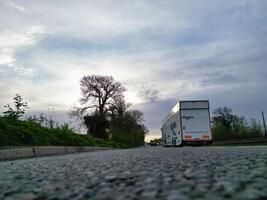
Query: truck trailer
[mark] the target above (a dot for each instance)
(188, 123)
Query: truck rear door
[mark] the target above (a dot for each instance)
(195, 124)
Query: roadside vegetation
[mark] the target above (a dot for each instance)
(41, 130)
(228, 126)
(103, 111)
(32, 133)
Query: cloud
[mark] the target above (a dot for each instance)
(17, 7)
(11, 42)
(148, 94)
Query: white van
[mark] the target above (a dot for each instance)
(187, 123)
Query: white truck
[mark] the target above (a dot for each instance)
(188, 123)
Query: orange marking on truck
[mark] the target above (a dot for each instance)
(187, 136)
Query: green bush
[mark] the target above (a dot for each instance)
(42, 130)
(130, 138)
(31, 133)
(221, 132)
(123, 137)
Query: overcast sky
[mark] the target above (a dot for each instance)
(163, 51)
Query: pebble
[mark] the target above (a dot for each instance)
(189, 173)
(27, 196)
(110, 178)
(252, 194)
(176, 195)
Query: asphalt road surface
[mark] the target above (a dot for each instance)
(142, 173)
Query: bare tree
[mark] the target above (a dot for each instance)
(99, 93)
(134, 116)
(105, 113)
(119, 108)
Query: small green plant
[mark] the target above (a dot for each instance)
(18, 111)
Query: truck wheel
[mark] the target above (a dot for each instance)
(181, 145)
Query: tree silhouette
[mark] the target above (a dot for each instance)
(224, 117)
(19, 110)
(99, 93)
(99, 96)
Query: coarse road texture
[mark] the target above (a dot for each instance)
(142, 173)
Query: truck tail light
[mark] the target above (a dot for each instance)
(205, 136)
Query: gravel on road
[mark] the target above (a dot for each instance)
(141, 173)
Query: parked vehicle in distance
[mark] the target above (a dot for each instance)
(153, 143)
(188, 123)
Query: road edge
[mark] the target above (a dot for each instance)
(40, 151)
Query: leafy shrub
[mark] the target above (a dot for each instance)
(31, 133)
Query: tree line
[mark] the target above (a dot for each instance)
(107, 116)
(228, 126)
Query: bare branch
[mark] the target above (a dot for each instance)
(99, 92)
